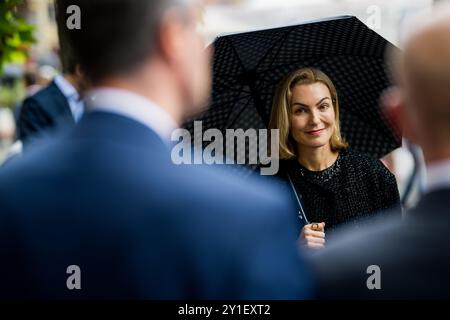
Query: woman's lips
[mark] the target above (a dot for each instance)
(315, 132)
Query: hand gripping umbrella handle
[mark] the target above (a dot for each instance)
(301, 211)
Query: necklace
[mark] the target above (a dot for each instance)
(319, 177)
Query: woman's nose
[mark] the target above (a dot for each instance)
(314, 118)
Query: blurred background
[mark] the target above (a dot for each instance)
(36, 65)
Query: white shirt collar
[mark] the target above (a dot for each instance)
(72, 96)
(66, 88)
(134, 106)
(438, 175)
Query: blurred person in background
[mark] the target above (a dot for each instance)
(37, 76)
(107, 197)
(411, 256)
(33, 82)
(58, 106)
(336, 185)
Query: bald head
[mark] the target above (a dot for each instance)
(426, 64)
(423, 72)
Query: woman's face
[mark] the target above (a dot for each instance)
(312, 115)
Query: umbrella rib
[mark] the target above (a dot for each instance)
(223, 85)
(263, 79)
(239, 113)
(234, 101)
(235, 90)
(260, 111)
(236, 53)
(282, 38)
(315, 58)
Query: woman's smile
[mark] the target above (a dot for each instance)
(316, 133)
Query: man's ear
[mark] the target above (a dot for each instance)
(394, 109)
(170, 36)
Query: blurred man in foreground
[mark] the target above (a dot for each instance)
(104, 213)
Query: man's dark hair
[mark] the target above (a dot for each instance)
(116, 36)
(66, 53)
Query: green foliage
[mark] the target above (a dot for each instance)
(11, 94)
(15, 33)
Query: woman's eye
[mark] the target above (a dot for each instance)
(300, 110)
(324, 107)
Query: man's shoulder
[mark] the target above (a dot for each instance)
(44, 94)
(371, 232)
(437, 197)
(222, 183)
(138, 168)
(402, 251)
(39, 154)
(345, 264)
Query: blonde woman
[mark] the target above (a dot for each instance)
(336, 185)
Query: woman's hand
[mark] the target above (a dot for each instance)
(313, 235)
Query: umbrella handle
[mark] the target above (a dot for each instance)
(301, 211)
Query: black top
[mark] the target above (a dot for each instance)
(355, 186)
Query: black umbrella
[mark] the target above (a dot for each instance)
(248, 66)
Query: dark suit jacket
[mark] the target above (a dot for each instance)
(108, 199)
(46, 110)
(413, 256)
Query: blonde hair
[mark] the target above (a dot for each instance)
(280, 117)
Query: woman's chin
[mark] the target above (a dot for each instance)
(314, 143)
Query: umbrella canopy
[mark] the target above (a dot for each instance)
(247, 68)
